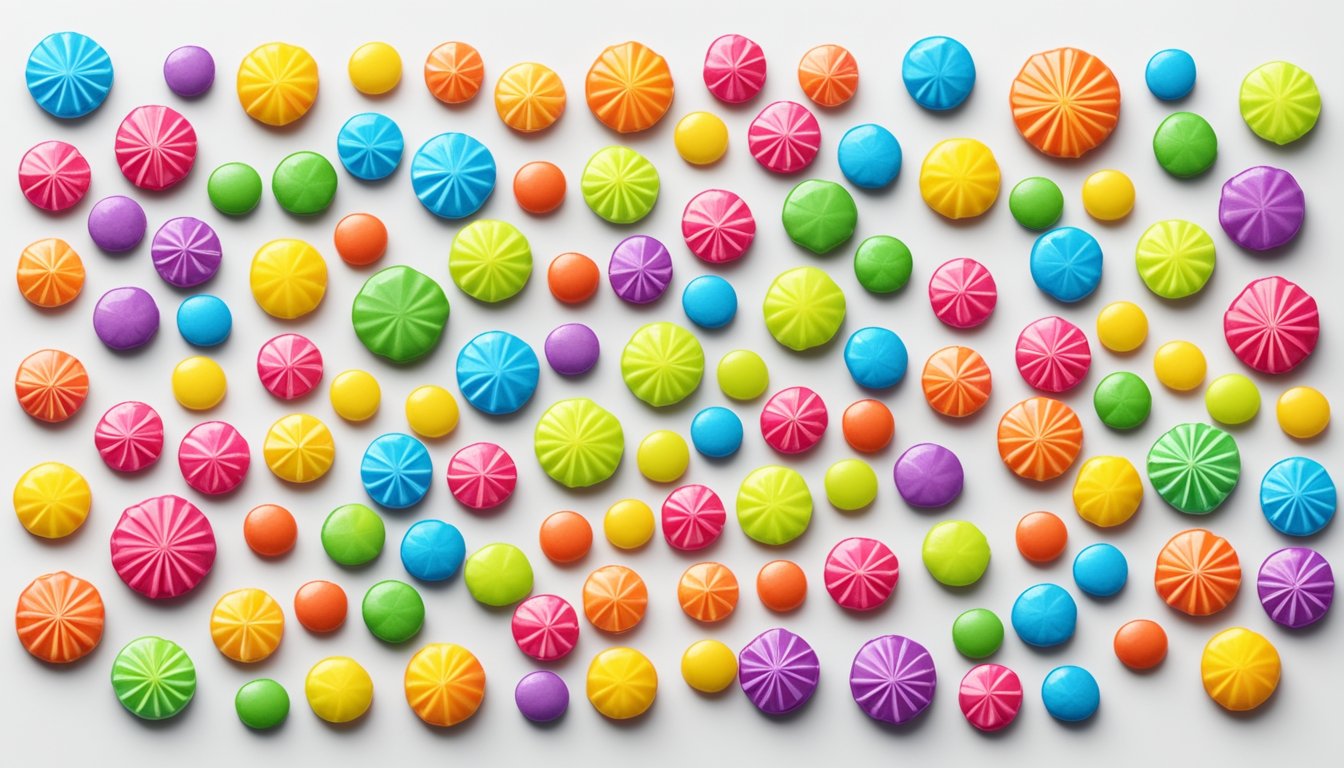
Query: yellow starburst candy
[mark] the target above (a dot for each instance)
(299, 448)
(959, 178)
(490, 260)
(622, 683)
(247, 625)
(662, 364)
(529, 97)
(578, 443)
(629, 87)
(289, 278)
(1107, 491)
(1280, 102)
(445, 684)
(52, 500)
(338, 689)
(277, 83)
(1240, 669)
(804, 308)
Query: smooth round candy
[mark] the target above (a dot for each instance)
(126, 318)
(454, 72)
(1066, 264)
(990, 697)
(663, 456)
(1185, 145)
(1175, 258)
(1272, 325)
(1100, 570)
(1179, 365)
(629, 87)
(956, 381)
(829, 75)
(1296, 586)
(1140, 644)
(51, 385)
(803, 308)
(153, 678)
(277, 83)
(628, 524)
(565, 537)
(247, 625)
(962, 293)
(234, 189)
(355, 395)
(851, 484)
(198, 383)
(59, 618)
(1297, 496)
(1039, 438)
(662, 364)
(716, 432)
(1280, 102)
(432, 550)
(129, 436)
(304, 183)
(572, 278)
(369, 146)
(541, 696)
(1041, 536)
(868, 425)
(338, 689)
(482, 476)
(393, 611)
(289, 366)
(1170, 74)
(774, 505)
(261, 704)
(742, 375)
(50, 274)
(1194, 467)
(734, 69)
(431, 411)
(214, 458)
(794, 420)
(876, 358)
(882, 264)
(709, 301)
(977, 633)
(959, 178)
(938, 73)
(396, 471)
(619, 185)
(578, 443)
(163, 547)
(353, 535)
(1122, 400)
(539, 187)
(572, 349)
(1240, 669)
(640, 269)
(717, 226)
(893, 679)
(1232, 399)
(497, 372)
(1107, 491)
(1122, 326)
(490, 260)
(928, 475)
(54, 176)
(186, 252)
(299, 448)
(1044, 615)
(709, 666)
(320, 606)
(860, 573)
(1198, 573)
(52, 500)
(1108, 195)
(701, 138)
(1303, 412)
(68, 74)
(784, 137)
(545, 627)
(621, 683)
(778, 671)
(117, 224)
(374, 68)
(189, 71)
(498, 575)
(1036, 203)
(869, 156)
(529, 97)
(781, 585)
(399, 314)
(453, 174)
(1065, 102)
(155, 147)
(1052, 354)
(707, 592)
(692, 518)
(270, 530)
(1262, 208)
(1070, 694)
(288, 278)
(956, 553)
(615, 598)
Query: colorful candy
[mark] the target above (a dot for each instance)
(709, 301)
(578, 443)
(1107, 491)
(784, 137)
(956, 381)
(868, 426)
(1108, 195)
(1198, 573)
(262, 704)
(288, 278)
(54, 176)
(1194, 467)
(869, 156)
(734, 69)
(1065, 102)
(1040, 438)
(1052, 354)
(956, 553)
(619, 185)
(1262, 208)
(629, 87)
(353, 535)
(153, 678)
(490, 260)
(1303, 412)
(432, 550)
(374, 68)
(277, 83)
(454, 72)
(1170, 74)
(1272, 325)
(819, 215)
(1240, 669)
(68, 74)
(1100, 570)
(399, 314)
(1296, 586)
(198, 383)
(355, 395)
(234, 189)
(990, 697)
(1140, 644)
(155, 147)
(977, 633)
(803, 308)
(1070, 694)
(320, 606)
(497, 372)
(214, 457)
(701, 138)
(794, 420)
(962, 293)
(1122, 400)
(482, 476)
(716, 432)
(707, 592)
(861, 573)
(693, 517)
(1232, 399)
(1041, 536)
(299, 448)
(1175, 258)
(938, 73)
(573, 278)
(189, 71)
(539, 187)
(565, 537)
(614, 598)
(431, 411)
(1044, 615)
(51, 385)
(1036, 203)
(621, 683)
(1122, 326)
(393, 611)
(781, 585)
(1066, 264)
(59, 618)
(778, 671)
(774, 505)
(851, 485)
(369, 146)
(50, 274)
(1179, 365)
(628, 524)
(541, 696)
(545, 627)
(129, 436)
(52, 500)
(709, 666)
(396, 470)
(959, 178)
(662, 364)
(126, 318)
(928, 475)
(163, 547)
(1185, 145)
(338, 689)
(893, 679)
(1280, 102)
(270, 530)
(717, 226)
(529, 97)
(444, 684)
(829, 75)
(498, 574)
(247, 625)
(882, 264)
(1297, 496)
(117, 224)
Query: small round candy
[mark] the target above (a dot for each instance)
(497, 372)
(1066, 264)
(375, 68)
(1065, 102)
(454, 72)
(117, 224)
(400, 314)
(270, 530)
(288, 278)
(1170, 74)
(578, 443)
(1194, 467)
(261, 704)
(1232, 399)
(1140, 644)
(126, 318)
(396, 470)
(198, 383)
(803, 308)
(977, 633)
(54, 176)
(928, 475)
(1107, 491)
(701, 138)
(1297, 496)
(784, 137)
(707, 592)
(277, 83)
(498, 575)
(778, 671)
(882, 264)
(614, 598)
(781, 585)
(1185, 145)
(962, 293)
(155, 147)
(1296, 586)
(565, 537)
(1041, 536)
(959, 178)
(742, 375)
(490, 260)
(234, 189)
(662, 364)
(453, 174)
(1198, 573)
(1122, 326)
(868, 426)
(1044, 615)
(876, 358)
(50, 274)
(1179, 365)
(204, 320)
(619, 185)
(247, 625)
(938, 73)
(1175, 258)
(734, 69)
(1262, 208)
(361, 239)
(369, 146)
(717, 226)
(289, 366)
(956, 553)
(299, 448)
(320, 606)
(529, 97)
(629, 87)
(709, 301)
(482, 476)
(338, 689)
(545, 627)
(539, 187)
(956, 381)
(189, 72)
(1070, 694)
(716, 432)
(129, 436)
(573, 278)
(174, 535)
(851, 484)
(353, 535)
(860, 573)
(1272, 325)
(869, 156)
(304, 183)
(431, 411)
(1303, 412)
(153, 678)
(1039, 438)
(1108, 195)
(774, 505)
(693, 517)
(794, 420)
(52, 500)
(1036, 203)
(621, 683)
(68, 74)
(1240, 669)
(572, 349)
(51, 385)
(1122, 400)
(541, 696)
(1280, 102)
(355, 395)
(990, 697)
(393, 611)
(709, 666)
(1100, 570)
(829, 75)
(214, 457)
(628, 524)
(640, 269)
(432, 550)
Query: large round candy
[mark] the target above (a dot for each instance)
(1107, 491)
(529, 97)
(1296, 586)
(1297, 496)
(299, 448)
(490, 260)
(338, 689)
(399, 314)
(68, 74)
(774, 505)
(962, 293)
(396, 470)
(482, 476)
(629, 87)
(938, 73)
(803, 308)
(1240, 669)
(52, 500)
(893, 679)
(619, 185)
(59, 618)
(163, 547)
(545, 627)
(1053, 354)
(155, 147)
(794, 420)
(153, 678)
(444, 683)
(928, 475)
(1194, 467)
(213, 457)
(640, 269)
(453, 174)
(1198, 573)
(1065, 102)
(453, 72)
(578, 443)
(861, 573)
(1066, 264)
(393, 611)
(717, 226)
(1045, 615)
(734, 69)
(289, 278)
(54, 176)
(959, 178)
(692, 517)
(1175, 258)
(622, 683)
(1040, 438)
(126, 318)
(1280, 102)
(990, 697)
(819, 215)
(370, 146)
(1272, 325)
(1262, 208)
(51, 385)
(662, 364)
(186, 252)
(497, 372)
(956, 381)
(247, 625)
(778, 671)
(277, 83)
(784, 137)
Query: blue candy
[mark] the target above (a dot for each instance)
(69, 74)
(876, 358)
(1070, 694)
(432, 550)
(709, 301)
(453, 174)
(497, 372)
(1297, 496)
(939, 73)
(716, 432)
(1045, 615)
(204, 320)
(1066, 264)
(1170, 74)
(870, 157)
(370, 146)
(1100, 570)
(396, 470)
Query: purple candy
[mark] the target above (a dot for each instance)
(1296, 586)
(126, 318)
(541, 696)
(778, 671)
(640, 269)
(186, 252)
(893, 679)
(117, 224)
(928, 475)
(572, 349)
(1262, 208)
(189, 71)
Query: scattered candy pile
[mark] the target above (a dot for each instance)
(1064, 102)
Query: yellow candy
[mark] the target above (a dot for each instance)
(52, 500)
(663, 456)
(1240, 669)
(277, 83)
(1232, 399)
(1107, 491)
(709, 666)
(299, 448)
(375, 68)
(1108, 195)
(289, 278)
(959, 178)
(1122, 326)
(1179, 365)
(622, 683)
(431, 411)
(1303, 412)
(701, 138)
(355, 395)
(743, 375)
(247, 625)
(851, 484)
(338, 689)
(628, 524)
(444, 683)
(199, 383)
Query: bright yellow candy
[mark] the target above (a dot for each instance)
(701, 138)
(338, 689)
(628, 524)
(277, 83)
(709, 666)
(1240, 669)
(663, 456)
(959, 178)
(199, 383)
(375, 68)
(247, 625)
(851, 484)
(299, 448)
(1108, 195)
(355, 395)
(1303, 412)
(289, 278)
(431, 411)
(445, 684)
(1122, 326)
(1232, 399)
(1179, 365)
(1107, 491)
(52, 500)
(622, 683)
(743, 375)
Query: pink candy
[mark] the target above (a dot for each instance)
(482, 476)
(1272, 325)
(693, 517)
(784, 137)
(545, 627)
(213, 458)
(734, 69)
(794, 420)
(990, 696)
(163, 547)
(718, 226)
(129, 437)
(962, 293)
(861, 573)
(289, 366)
(54, 176)
(155, 147)
(1053, 354)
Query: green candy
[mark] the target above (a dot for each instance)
(490, 260)
(578, 443)
(1036, 203)
(819, 215)
(774, 505)
(662, 364)
(1122, 400)
(498, 575)
(393, 611)
(234, 188)
(153, 678)
(1185, 145)
(304, 183)
(1194, 467)
(803, 308)
(353, 534)
(399, 314)
(619, 185)
(956, 553)
(262, 704)
(977, 633)
(883, 264)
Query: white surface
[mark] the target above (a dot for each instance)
(65, 715)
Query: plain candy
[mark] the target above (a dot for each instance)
(541, 696)
(1170, 74)
(876, 358)
(1100, 570)
(709, 301)
(117, 224)
(928, 475)
(126, 318)
(572, 349)
(716, 432)
(432, 550)
(869, 156)
(1070, 694)
(189, 72)
(1066, 264)
(1045, 615)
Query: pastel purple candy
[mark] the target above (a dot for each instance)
(893, 679)
(541, 696)
(1262, 208)
(189, 71)
(117, 224)
(640, 269)
(1296, 586)
(572, 349)
(186, 252)
(126, 318)
(928, 475)
(778, 671)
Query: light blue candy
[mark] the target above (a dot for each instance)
(1066, 264)
(1298, 497)
(876, 358)
(69, 74)
(1070, 694)
(370, 146)
(497, 372)
(204, 320)
(1100, 570)
(432, 550)
(1170, 74)
(870, 157)
(396, 470)
(939, 73)
(709, 301)
(453, 174)
(1045, 615)
(716, 432)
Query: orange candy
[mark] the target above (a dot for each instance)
(707, 592)
(270, 530)
(320, 606)
(629, 87)
(529, 97)
(1141, 644)
(454, 72)
(1041, 536)
(781, 585)
(539, 187)
(50, 273)
(829, 75)
(51, 385)
(1039, 438)
(361, 239)
(572, 278)
(956, 381)
(614, 598)
(565, 537)
(1065, 102)
(1198, 572)
(59, 618)
(868, 426)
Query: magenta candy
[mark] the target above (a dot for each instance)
(1262, 208)
(186, 252)
(545, 627)
(1272, 325)
(928, 475)
(778, 671)
(990, 697)
(54, 176)
(1296, 586)
(718, 226)
(155, 147)
(289, 366)
(117, 224)
(129, 436)
(126, 318)
(734, 69)
(861, 573)
(1053, 354)
(794, 420)
(213, 458)
(572, 349)
(640, 269)
(962, 293)
(482, 476)
(893, 679)
(189, 71)
(784, 137)
(163, 547)
(693, 517)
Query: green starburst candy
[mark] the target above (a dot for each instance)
(153, 678)
(1194, 467)
(662, 364)
(399, 314)
(774, 505)
(1280, 102)
(819, 215)
(619, 184)
(1175, 258)
(490, 260)
(578, 443)
(804, 308)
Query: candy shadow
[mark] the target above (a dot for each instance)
(176, 721)
(904, 729)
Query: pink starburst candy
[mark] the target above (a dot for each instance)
(163, 547)
(861, 573)
(1272, 325)
(289, 366)
(54, 176)
(990, 697)
(734, 69)
(129, 436)
(794, 420)
(962, 293)
(693, 517)
(482, 476)
(718, 226)
(213, 457)
(1053, 354)
(155, 147)
(545, 627)
(784, 137)
(1262, 208)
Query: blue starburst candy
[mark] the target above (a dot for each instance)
(69, 74)
(396, 470)
(939, 73)
(1297, 496)
(497, 372)
(370, 146)
(453, 174)
(1066, 264)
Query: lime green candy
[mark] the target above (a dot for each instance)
(619, 184)
(977, 633)
(743, 375)
(262, 704)
(1280, 102)
(851, 484)
(1232, 399)
(804, 308)
(578, 443)
(234, 188)
(882, 264)
(1175, 258)
(490, 260)
(1036, 202)
(819, 215)
(1185, 145)
(956, 553)
(353, 534)
(399, 314)
(662, 364)
(774, 505)
(393, 611)
(498, 575)
(304, 183)
(154, 679)
(1122, 400)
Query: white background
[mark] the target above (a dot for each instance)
(70, 714)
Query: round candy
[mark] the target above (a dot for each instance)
(662, 456)
(289, 366)
(338, 689)
(572, 278)
(1053, 354)
(498, 575)
(155, 147)
(742, 375)
(68, 74)
(938, 73)
(214, 457)
(893, 679)
(396, 470)
(1175, 258)
(163, 547)
(1179, 365)
(370, 146)
(1303, 412)
(1272, 325)
(977, 633)
(990, 697)
(454, 72)
(541, 696)
(1100, 570)
(1170, 74)
(640, 269)
(444, 684)
(784, 137)
(707, 592)
(234, 188)
(1044, 615)
(692, 517)
(355, 395)
(565, 537)
(1232, 399)
(353, 535)
(1297, 496)
(51, 385)
(529, 97)
(1122, 326)
(1296, 586)
(716, 432)
(1185, 145)
(482, 476)
(876, 358)
(1041, 536)
(781, 585)
(1065, 102)
(1261, 208)
(578, 443)
(709, 666)
(778, 671)
(1194, 467)
(619, 185)
(956, 553)
(50, 274)
(1066, 264)
(829, 75)
(794, 420)
(320, 606)
(393, 611)
(270, 530)
(186, 252)
(490, 260)
(399, 314)
(928, 475)
(1040, 438)
(431, 411)
(774, 505)
(662, 364)
(375, 68)
(59, 618)
(153, 678)
(803, 308)
(734, 69)
(628, 524)
(959, 178)
(860, 573)
(262, 704)
(1140, 644)
(497, 372)
(572, 349)
(1107, 491)
(277, 83)
(882, 264)
(851, 484)
(717, 226)
(453, 174)
(304, 183)
(129, 436)
(614, 598)
(819, 215)
(299, 448)
(868, 426)
(189, 72)
(956, 381)
(1070, 694)
(621, 683)
(539, 187)
(1240, 669)
(709, 301)
(1122, 400)
(54, 176)
(432, 550)
(629, 87)
(1280, 102)
(545, 627)
(1036, 202)
(288, 278)
(126, 318)
(52, 500)
(701, 138)
(1197, 573)
(1108, 195)
(869, 156)
(117, 224)
(199, 383)
(247, 625)
(962, 293)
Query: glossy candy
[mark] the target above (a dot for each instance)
(619, 185)
(355, 395)
(962, 293)
(1100, 570)
(155, 147)
(1122, 400)
(990, 697)
(529, 97)
(51, 385)
(126, 318)
(794, 420)
(213, 457)
(1280, 102)
(262, 704)
(662, 364)
(444, 684)
(374, 68)
(707, 592)
(1070, 694)
(628, 524)
(68, 74)
(893, 679)
(701, 138)
(1140, 644)
(498, 575)
(742, 375)
(270, 530)
(1170, 74)
(869, 156)
(129, 436)
(977, 633)
(1197, 573)
(1122, 326)
(565, 537)
(1041, 536)
(320, 606)
(1053, 354)
(956, 381)
(545, 627)
(784, 137)
(734, 69)
(803, 308)
(431, 411)
(829, 75)
(778, 671)
(490, 260)
(629, 87)
(1036, 203)
(198, 383)
(860, 573)
(186, 252)
(621, 683)
(1185, 145)
(396, 471)
(52, 500)
(876, 358)
(288, 278)
(928, 475)
(1065, 102)
(1296, 586)
(153, 678)
(640, 269)
(189, 71)
(497, 372)
(539, 187)
(614, 598)
(247, 625)
(709, 301)
(399, 314)
(1039, 438)
(956, 553)
(774, 505)
(454, 72)
(572, 278)
(938, 73)
(234, 189)
(1066, 264)
(289, 366)
(868, 426)
(370, 146)
(1261, 208)
(882, 264)
(299, 448)
(1232, 399)
(716, 432)
(1175, 258)
(717, 226)
(1108, 195)
(578, 443)
(851, 485)
(1044, 615)
(59, 618)
(163, 547)
(432, 550)
(1194, 467)
(1303, 412)
(959, 178)
(541, 696)
(393, 611)
(709, 666)
(1272, 325)
(117, 224)
(1107, 491)
(781, 585)
(304, 183)
(693, 517)
(54, 176)
(572, 349)
(338, 689)
(1240, 669)
(277, 83)
(453, 174)
(819, 215)
(1179, 365)
(1298, 496)
(482, 476)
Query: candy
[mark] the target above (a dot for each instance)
(692, 517)
(490, 260)
(1303, 412)
(498, 575)
(1122, 326)
(803, 308)
(541, 696)
(545, 627)
(1041, 536)
(709, 666)
(882, 264)
(1108, 195)
(369, 146)
(444, 684)
(959, 178)
(614, 598)
(155, 147)
(393, 611)
(709, 301)
(59, 618)
(938, 73)
(482, 476)
(860, 573)
(54, 176)
(117, 224)
(375, 68)
(977, 633)
(619, 185)
(431, 411)
(270, 530)
(1240, 669)
(1070, 694)
(288, 278)
(355, 395)
(52, 500)
(572, 278)
(628, 524)
(432, 550)
(277, 83)
(1261, 208)
(1100, 570)
(234, 189)
(868, 426)
(701, 138)
(565, 537)
(1179, 365)
(1065, 102)
(956, 381)
(214, 457)
(717, 226)
(189, 71)
(829, 75)
(304, 183)
(784, 137)
(1040, 438)
(640, 269)
(1044, 615)
(716, 432)
(778, 671)
(163, 547)
(262, 704)
(338, 689)
(353, 535)
(781, 585)
(621, 683)
(956, 553)
(851, 485)
(1232, 399)
(51, 385)
(454, 72)
(742, 375)
(707, 592)
(396, 470)
(774, 505)
(819, 215)
(529, 97)
(320, 606)
(1066, 264)
(497, 372)
(1175, 258)
(129, 436)
(1296, 586)
(186, 252)
(990, 697)
(299, 448)
(539, 187)
(893, 679)
(1122, 400)
(399, 314)
(1185, 145)
(662, 364)
(572, 349)
(1036, 202)
(1140, 644)
(794, 420)
(198, 383)
(928, 475)
(1052, 354)
(1280, 102)
(1197, 573)
(453, 175)
(1107, 491)
(1170, 74)
(869, 156)
(1297, 496)
(578, 443)
(153, 678)
(1194, 467)
(629, 87)
(68, 74)
(126, 318)
(289, 366)
(962, 293)
(734, 69)
(1272, 325)
(247, 625)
